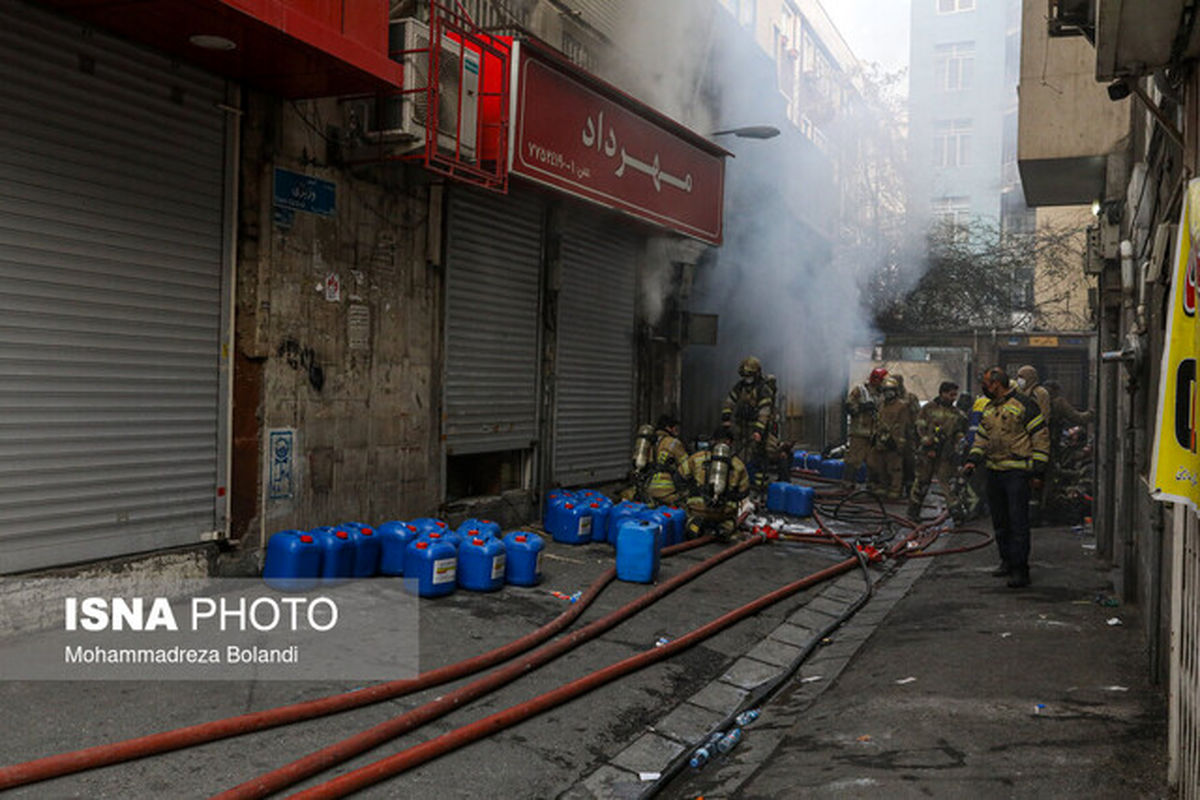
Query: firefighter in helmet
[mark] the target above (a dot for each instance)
(641, 465)
(666, 485)
(747, 414)
(718, 482)
(888, 442)
(940, 428)
(861, 406)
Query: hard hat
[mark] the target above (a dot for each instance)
(750, 367)
(878, 374)
(891, 383)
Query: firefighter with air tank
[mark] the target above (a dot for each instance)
(718, 482)
(658, 456)
(940, 428)
(747, 414)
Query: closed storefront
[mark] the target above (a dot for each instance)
(595, 366)
(493, 280)
(113, 243)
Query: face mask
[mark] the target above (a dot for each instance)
(1021, 383)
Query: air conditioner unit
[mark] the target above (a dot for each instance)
(401, 119)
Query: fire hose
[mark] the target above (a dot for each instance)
(334, 754)
(426, 751)
(189, 736)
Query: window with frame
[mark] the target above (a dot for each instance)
(746, 12)
(952, 142)
(954, 6)
(952, 213)
(787, 53)
(954, 66)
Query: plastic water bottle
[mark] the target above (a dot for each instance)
(746, 717)
(705, 753)
(729, 741)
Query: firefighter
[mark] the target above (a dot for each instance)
(891, 429)
(718, 482)
(940, 427)
(1028, 385)
(747, 413)
(1013, 442)
(666, 485)
(642, 466)
(861, 405)
(910, 439)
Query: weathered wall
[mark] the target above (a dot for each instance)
(355, 377)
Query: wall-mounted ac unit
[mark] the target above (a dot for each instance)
(400, 119)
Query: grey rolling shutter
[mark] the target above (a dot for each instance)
(111, 222)
(493, 264)
(595, 368)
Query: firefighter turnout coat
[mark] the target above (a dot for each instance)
(1012, 435)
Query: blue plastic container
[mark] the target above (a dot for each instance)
(479, 527)
(662, 519)
(798, 458)
(523, 552)
(429, 525)
(394, 538)
(777, 496)
(366, 548)
(430, 567)
(813, 462)
(600, 508)
(799, 501)
(678, 530)
(293, 561)
(553, 508)
(445, 537)
(833, 468)
(574, 524)
(481, 564)
(337, 553)
(621, 512)
(638, 545)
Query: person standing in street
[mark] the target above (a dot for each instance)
(891, 431)
(747, 413)
(940, 427)
(1014, 444)
(861, 406)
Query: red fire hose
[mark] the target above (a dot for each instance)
(115, 752)
(339, 752)
(419, 754)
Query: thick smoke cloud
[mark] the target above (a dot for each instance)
(773, 282)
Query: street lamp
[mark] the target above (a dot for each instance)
(750, 132)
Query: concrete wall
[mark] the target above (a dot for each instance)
(356, 378)
(1061, 288)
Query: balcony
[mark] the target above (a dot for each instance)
(1069, 129)
(1134, 37)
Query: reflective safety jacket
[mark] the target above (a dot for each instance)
(861, 405)
(974, 417)
(750, 406)
(892, 424)
(669, 457)
(1012, 435)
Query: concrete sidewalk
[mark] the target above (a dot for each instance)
(970, 689)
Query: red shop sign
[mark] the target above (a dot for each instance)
(579, 141)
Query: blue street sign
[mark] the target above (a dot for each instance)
(304, 193)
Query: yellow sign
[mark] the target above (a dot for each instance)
(1175, 467)
(1043, 341)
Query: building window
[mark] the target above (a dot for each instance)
(787, 53)
(953, 214)
(1016, 218)
(952, 142)
(1022, 290)
(954, 65)
(577, 52)
(954, 6)
(746, 12)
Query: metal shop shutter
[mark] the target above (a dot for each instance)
(593, 421)
(111, 232)
(493, 269)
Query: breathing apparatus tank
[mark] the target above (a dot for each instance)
(643, 448)
(718, 470)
